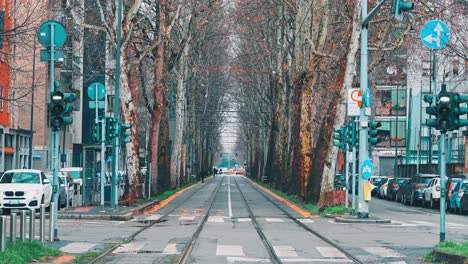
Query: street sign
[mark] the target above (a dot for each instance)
(101, 104)
(367, 168)
(367, 99)
(44, 34)
(45, 55)
(354, 102)
(435, 34)
(96, 87)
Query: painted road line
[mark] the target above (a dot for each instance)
(425, 223)
(216, 219)
(171, 249)
(306, 221)
(285, 251)
(244, 260)
(274, 220)
(186, 218)
(244, 220)
(283, 200)
(305, 260)
(77, 247)
(229, 197)
(397, 262)
(229, 250)
(382, 252)
(130, 248)
(330, 252)
(153, 217)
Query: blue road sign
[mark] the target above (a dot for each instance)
(96, 89)
(435, 34)
(44, 34)
(367, 168)
(366, 97)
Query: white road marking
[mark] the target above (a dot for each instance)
(285, 251)
(186, 218)
(424, 223)
(244, 220)
(229, 250)
(382, 252)
(130, 248)
(241, 259)
(455, 225)
(229, 197)
(330, 252)
(171, 249)
(77, 247)
(275, 220)
(306, 221)
(397, 262)
(153, 217)
(315, 260)
(401, 223)
(216, 219)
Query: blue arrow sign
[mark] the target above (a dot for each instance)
(435, 34)
(367, 98)
(367, 168)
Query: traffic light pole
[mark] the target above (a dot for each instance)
(54, 137)
(115, 140)
(443, 181)
(347, 161)
(353, 171)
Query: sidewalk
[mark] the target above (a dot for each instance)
(121, 213)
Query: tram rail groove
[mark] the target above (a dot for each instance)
(271, 251)
(304, 226)
(139, 231)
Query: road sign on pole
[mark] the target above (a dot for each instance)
(367, 169)
(435, 34)
(45, 33)
(354, 101)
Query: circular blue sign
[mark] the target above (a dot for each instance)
(435, 34)
(367, 98)
(367, 168)
(44, 34)
(98, 89)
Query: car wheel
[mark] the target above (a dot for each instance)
(6, 211)
(403, 198)
(432, 203)
(411, 201)
(447, 207)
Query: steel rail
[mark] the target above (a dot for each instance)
(307, 228)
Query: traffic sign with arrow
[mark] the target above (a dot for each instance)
(435, 34)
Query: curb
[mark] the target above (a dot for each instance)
(450, 257)
(362, 220)
(333, 215)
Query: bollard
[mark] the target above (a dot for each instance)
(23, 226)
(51, 222)
(13, 228)
(2, 233)
(42, 224)
(32, 220)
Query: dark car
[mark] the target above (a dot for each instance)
(414, 191)
(339, 182)
(401, 190)
(377, 181)
(393, 187)
(464, 201)
(452, 181)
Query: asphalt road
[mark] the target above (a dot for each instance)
(217, 216)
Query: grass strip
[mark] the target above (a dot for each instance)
(453, 247)
(24, 252)
(335, 210)
(86, 257)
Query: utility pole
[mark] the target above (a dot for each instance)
(31, 124)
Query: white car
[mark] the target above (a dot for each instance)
(24, 189)
(431, 194)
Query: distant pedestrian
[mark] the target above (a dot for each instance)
(24, 167)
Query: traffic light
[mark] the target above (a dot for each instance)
(110, 128)
(444, 109)
(340, 137)
(459, 111)
(96, 133)
(352, 137)
(400, 6)
(431, 110)
(373, 132)
(60, 108)
(125, 134)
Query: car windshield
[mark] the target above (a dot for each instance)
(339, 178)
(75, 174)
(21, 177)
(400, 181)
(425, 180)
(377, 180)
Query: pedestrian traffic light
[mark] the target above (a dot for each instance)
(400, 6)
(60, 108)
(96, 133)
(110, 128)
(339, 136)
(125, 134)
(373, 133)
(459, 110)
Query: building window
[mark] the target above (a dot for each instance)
(390, 101)
(391, 132)
(426, 68)
(455, 67)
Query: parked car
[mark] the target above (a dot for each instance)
(393, 186)
(339, 182)
(458, 192)
(377, 181)
(451, 183)
(401, 190)
(24, 189)
(432, 193)
(413, 194)
(62, 198)
(464, 201)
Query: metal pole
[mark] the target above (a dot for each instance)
(353, 211)
(42, 224)
(13, 228)
(31, 123)
(2, 233)
(346, 174)
(55, 139)
(395, 166)
(52, 222)
(363, 206)
(115, 140)
(32, 222)
(103, 157)
(23, 226)
(442, 186)
(148, 171)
